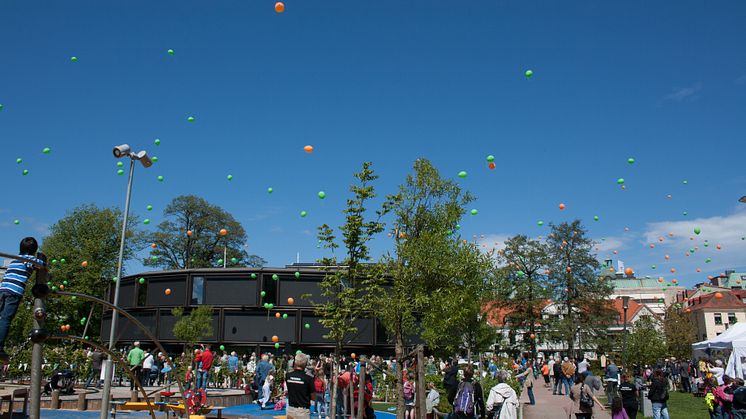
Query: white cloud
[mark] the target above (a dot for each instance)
(609, 244)
(490, 242)
(679, 94)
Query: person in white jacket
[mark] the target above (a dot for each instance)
(504, 398)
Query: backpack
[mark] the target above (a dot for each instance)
(464, 401)
(408, 390)
(585, 399)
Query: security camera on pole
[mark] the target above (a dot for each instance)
(120, 151)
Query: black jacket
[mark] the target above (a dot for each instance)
(658, 390)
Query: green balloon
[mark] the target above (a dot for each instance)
(271, 306)
(697, 230)
(1, 106)
(54, 261)
(157, 141)
(266, 305)
(19, 160)
(462, 174)
(322, 194)
(234, 260)
(708, 260)
(74, 59)
(87, 338)
(630, 160)
(220, 261)
(458, 226)
(706, 243)
(75, 298)
(54, 288)
(62, 260)
(529, 74)
(190, 119)
(16, 221)
(64, 282)
(520, 274)
(146, 221)
(120, 164)
(120, 172)
(620, 181)
(230, 177)
(652, 266)
(685, 213)
(160, 178)
(154, 159)
(474, 211)
(275, 277)
(149, 208)
(170, 52)
(263, 293)
(284, 315)
(270, 190)
(154, 258)
(303, 213)
(114, 279)
(253, 276)
(307, 326)
(46, 150)
(490, 158)
(277, 345)
(222, 347)
(595, 218)
(685, 182)
(298, 352)
(297, 274)
(25, 172)
(141, 280)
(540, 223)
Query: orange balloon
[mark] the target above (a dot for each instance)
(629, 272)
(291, 301)
(699, 270)
(62, 328)
(279, 8)
(569, 269)
(674, 281)
(688, 310)
(189, 233)
(492, 165)
(718, 247)
(533, 336)
(308, 149)
(277, 314)
(223, 232)
(275, 338)
(562, 206)
(153, 245)
(718, 295)
(667, 257)
(62, 287)
(673, 270)
(352, 355)
(168, 291)
(84, 264)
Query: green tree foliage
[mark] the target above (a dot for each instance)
(453, 322)
(523, 288)
(585, 310)
(427, 209)
(85, 234)
(191, 328)
(175, 249)
(645, 344)
(350, 281)
(680, 333)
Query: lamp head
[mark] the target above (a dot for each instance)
(122, 151)
(742, 199)
(144, 158)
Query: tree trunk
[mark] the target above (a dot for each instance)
(361, 391)
(421, 407)
(351, 391)
(332, 413)
(399, 355)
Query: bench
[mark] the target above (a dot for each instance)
(10, 396)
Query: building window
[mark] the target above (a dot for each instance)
(718, 318)
(198, 290)
(732, 318)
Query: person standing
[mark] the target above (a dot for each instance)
(528, 382)
(686, 385)
(469, 400)
(450, 382)
(583, 400)
(301, 390)
(503, 399)
(557, 370)
(568, 374)
(135, 357)
(203, 373)
(658, 395)
(432, 400)
(147, 366)
(97, 358)
(612, 380)
(628, 391)
(583, 366)
(263, 369)
(545, 370)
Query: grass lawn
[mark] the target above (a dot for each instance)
(680, 405)
(384, 407)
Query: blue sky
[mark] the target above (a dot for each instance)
(661, 82)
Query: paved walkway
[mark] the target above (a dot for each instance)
(549, 407)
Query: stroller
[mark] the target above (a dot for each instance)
(62, 380)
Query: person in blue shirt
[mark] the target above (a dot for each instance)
(14, 285)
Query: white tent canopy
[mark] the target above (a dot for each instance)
(734, 340)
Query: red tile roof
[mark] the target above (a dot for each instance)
(728, 300)
(497, 311)
(632, 310)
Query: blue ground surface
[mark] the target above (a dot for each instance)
(246, 410)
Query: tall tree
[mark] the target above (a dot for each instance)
(523, 288)
(680, 332)
(350, 281)
(645, 345)
(427, 209)
(82, 250)
(190, 328)
(189, 237)
(585, 310)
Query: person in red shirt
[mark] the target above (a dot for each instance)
(203, 369)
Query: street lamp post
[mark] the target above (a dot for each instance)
(625, 306)
(121, 151)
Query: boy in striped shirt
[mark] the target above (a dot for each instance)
(13, 286)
